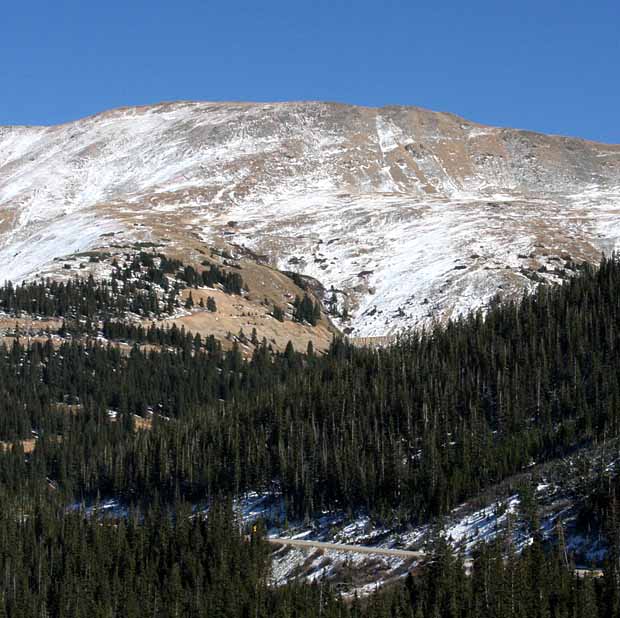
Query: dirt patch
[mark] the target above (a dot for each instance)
(236, 313)
(28, 325)
(142, 423)
(27, 445)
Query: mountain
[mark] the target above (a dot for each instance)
(487, 446)
(399, 215)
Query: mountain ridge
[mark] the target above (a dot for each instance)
(405, 215)
(387, 107)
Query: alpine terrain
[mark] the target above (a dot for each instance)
(399, 215)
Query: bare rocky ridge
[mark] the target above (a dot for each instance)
(409, 215)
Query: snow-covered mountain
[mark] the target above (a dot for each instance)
(408, 214)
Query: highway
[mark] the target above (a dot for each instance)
(354, 549)
(393, 553)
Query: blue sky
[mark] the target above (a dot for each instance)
(543, 65)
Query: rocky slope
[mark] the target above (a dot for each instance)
(407, 214)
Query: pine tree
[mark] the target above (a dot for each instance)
(278, 313)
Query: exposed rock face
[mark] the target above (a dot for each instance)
(408, 214)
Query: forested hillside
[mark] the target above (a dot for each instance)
(167, 563)
(404, 432)
(411, 429)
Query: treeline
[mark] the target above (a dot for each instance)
(147, 285)
(158, 265)
(406, 431)
(85, 298)
(174, 336)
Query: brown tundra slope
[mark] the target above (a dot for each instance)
(400, 214)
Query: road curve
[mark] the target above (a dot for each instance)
(354, 549)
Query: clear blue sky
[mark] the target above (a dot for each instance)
(545, 65)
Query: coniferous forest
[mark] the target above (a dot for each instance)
(165, 562)
(405, 433)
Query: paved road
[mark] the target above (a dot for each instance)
(354, 549)
(395, 553)
(582, 572)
